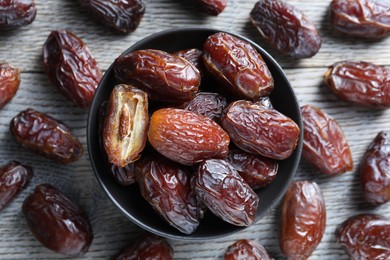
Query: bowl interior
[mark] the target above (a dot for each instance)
(129, 199)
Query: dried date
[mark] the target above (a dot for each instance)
(57, 222)
(167, 187)
(361, 83)
(375, 168)
(16, 13)
(123, 16)
(187, 137)
(146, 247)
(14, 177)
(302, 219)
(125, 125)
(70, 67)
(207, 104)
(259, 130)
(47, 136)
(361, 18)
(286, 28)
(195, 57)
(9, 82)
(165, 77)
(212, 7)
(243, 71)
(324, 143)
(225, 193)
(365, 236)
(246, 249)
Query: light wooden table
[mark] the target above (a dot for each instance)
(22, 48)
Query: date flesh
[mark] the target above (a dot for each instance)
(302, 219)
(225, 193)
(259, 130)
(256, 170)
(57, 222)
(286, 28)
(147, 246)
(70, 67)
(125, 125)
(243, 71)
(361, 18)
(212, 7)
(324, 143)
(14, 177)
(361, 83)
(246, 249)
(207, 104)
(374, 170)
(165, 77)
(365, 236)
(123, 16)
(16, 13)
(9, 82)
(187, 137)
(47, 136)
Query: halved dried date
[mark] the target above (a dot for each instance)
(14, 177)
(286, 28)
(207, 104)
(213, 7)
(167, 187)
(256, 170)
(361, 18)
(187, 137)
(246, 249)
(147, 246)
(324, 143)
(375, 168)
(125, 125)
(302, 219)
(365, 236)
(238, 66)
(47, 136)
(9, 82)
(123, 16)
(165, 77)
(361, 83)
(256, 129)
(225, 193)
(57, 222)
(16, 13)
(70, 67)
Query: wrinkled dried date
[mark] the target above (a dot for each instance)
(125, 125)
(259, 130)
(123, 16)
(14, 177)
(361, 18)
(243, 71)
(16, 13)
(361, 83)
(70, 67)
(57, 222)
(375, 168)
(213, 7)
(256, 170)
(146, 247)
(302, 219)
(246, 249)
(195, 57)
(165, 77)
(187, 137)
(46, 136)
(286, 28)
(365, 236)
(207, 104)
(324, 142)
(9, 82)
(225, 193)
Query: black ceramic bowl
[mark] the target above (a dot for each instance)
(129, 200)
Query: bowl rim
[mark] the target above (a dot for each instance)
(92, 112)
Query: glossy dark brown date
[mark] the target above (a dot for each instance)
(57, 222)
(195, 57)
(213, 7)
(47, 136)
(246, 249)
(207, 104)
(16, 13)
(9, 82)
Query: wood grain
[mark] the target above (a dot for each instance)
(22, 48)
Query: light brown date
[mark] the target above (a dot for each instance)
(9, 83)
(246, 249)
